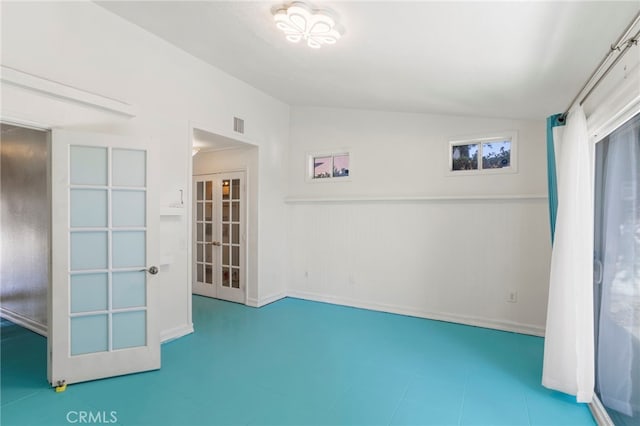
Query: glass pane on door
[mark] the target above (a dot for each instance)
(89, 334)
(129, 289)
(89, 208)
(129, 208)
(89, 250)
(129, 329)
(129, 168)
(88, 165)
(89, 292)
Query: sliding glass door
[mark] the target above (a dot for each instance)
(617, 273)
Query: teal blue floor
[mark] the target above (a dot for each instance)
(296, 362)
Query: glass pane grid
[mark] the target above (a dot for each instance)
(107, 313)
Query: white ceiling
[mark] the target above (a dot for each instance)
(496, 59)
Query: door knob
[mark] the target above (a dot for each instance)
(215, 243)
(152, 270)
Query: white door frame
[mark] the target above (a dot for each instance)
(97, 365)
(249, 231)
(216, 290)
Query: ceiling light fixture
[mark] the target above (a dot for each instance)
(299, 22)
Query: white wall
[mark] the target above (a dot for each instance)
(405, 236)
(82, 45)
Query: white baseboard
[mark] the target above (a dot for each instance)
(439, 316)
(25, 322)
(175, 333)
(258, 303)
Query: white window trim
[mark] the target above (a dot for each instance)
(332, 153)
(511, 135)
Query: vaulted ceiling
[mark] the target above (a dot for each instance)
(515, 59)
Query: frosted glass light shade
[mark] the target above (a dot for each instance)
(300, 22)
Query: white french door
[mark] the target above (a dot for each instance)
(104, 240)
(219, 236)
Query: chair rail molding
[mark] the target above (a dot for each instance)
(64, 92)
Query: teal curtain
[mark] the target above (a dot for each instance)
(552, 121)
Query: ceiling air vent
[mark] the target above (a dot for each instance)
(238, 125)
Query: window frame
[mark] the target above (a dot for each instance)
(509, 135)
(311, 156)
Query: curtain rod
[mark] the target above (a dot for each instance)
(623, 40)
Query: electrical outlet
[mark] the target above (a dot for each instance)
(512, 296)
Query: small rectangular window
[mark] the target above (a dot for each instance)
(483, 155)
(328, 166)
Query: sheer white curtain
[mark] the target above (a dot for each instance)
(619, 325)
(568, 349)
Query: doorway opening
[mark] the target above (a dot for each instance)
(219, 240)
(223, 219)
(25, 225)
